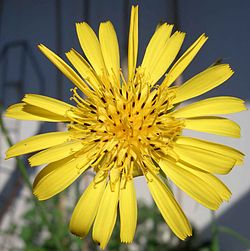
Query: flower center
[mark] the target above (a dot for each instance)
(128, 123)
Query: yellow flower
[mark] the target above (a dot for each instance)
(130, 126)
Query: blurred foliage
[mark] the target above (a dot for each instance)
(152, 232)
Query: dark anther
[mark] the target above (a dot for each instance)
(158, 123)
(93, 112)
(154, 97)
(86, 124)
(139, 96)
(106, 140)
(157, 148)
(93, 130)
(100, 120)
(111, 91)
(152, 112)
(124, 107)
(120, 91)
(110, 116)
(115, 158)
(153, 145)
(143, 104)
(96, 140)
(165, 102)
(126, 155)
(92, 106)
(133, 104)
(103, 100)
(160, 114)
(137, 113)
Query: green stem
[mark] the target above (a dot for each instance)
(39, 206)
(236, 235)
(215, 230)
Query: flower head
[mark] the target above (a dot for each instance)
(128, 126)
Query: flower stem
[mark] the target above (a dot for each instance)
(39, 206)
(215, 239)
(236, 235)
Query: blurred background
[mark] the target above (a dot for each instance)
(23, 69)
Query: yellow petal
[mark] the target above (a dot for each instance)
(50, 104)
(57, 176)
(193, 185)
(128, 212)
(86, 208)
(221, 189)
(64, 68)
(184, 61)
(91, 46)
(169, 208)
(23, 111)
(203, 82)
(211, 106)
(106, 215)
(83, 67)
(37, 143)
(206, 160)
(167, 56)
(55, 153)
(214, 147)
(110, 51)
(214, 125)
(155, 49)
(133, 42)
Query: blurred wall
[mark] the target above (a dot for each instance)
(225, 22)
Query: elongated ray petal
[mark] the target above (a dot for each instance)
(214, 125)
(57, 176)
(64, 68)
(194, 186)
(133, 42)
(23, 111)
(214, 147)
(184, 61)
(155, 48)
(128, 212)
(86, 208)
(168, 207)
(203, 82)
(206, 160)
(211, 106)
(37, 143)
(47, 103)
(221, 189)
(84, 68)
(106, 215)
(167, 56)
(110, 51)
(55, 153)
(90, 46)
